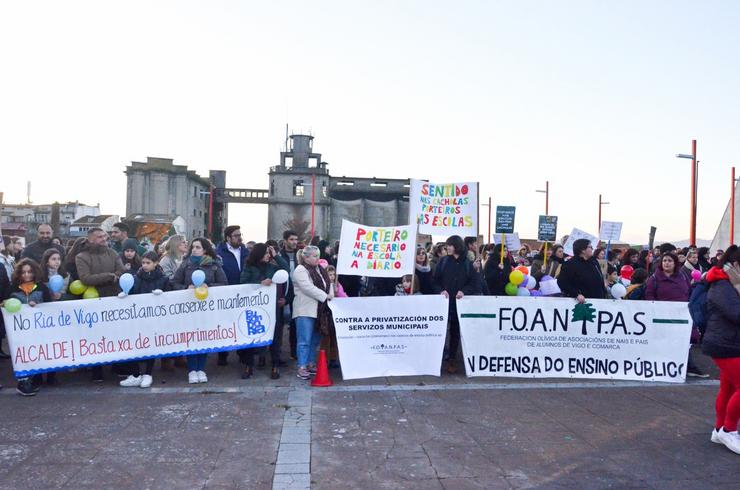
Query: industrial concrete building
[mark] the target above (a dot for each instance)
(160, 187)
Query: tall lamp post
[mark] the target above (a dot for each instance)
(732, 208)
(546, 192)
(601, 203)
(488, 238)
(694, 177)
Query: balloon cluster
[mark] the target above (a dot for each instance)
(79, 288)
(521, 283)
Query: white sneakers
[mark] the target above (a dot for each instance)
(195, 377)
(131, 382)
(715, 437)
(731, 440)
(143, 381)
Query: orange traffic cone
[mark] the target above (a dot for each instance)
(322, 378)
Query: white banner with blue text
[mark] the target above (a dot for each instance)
(66, 334)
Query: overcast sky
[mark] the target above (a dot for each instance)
(594, 96)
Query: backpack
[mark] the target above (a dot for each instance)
(698, 305)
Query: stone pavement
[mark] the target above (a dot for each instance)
(424, 432)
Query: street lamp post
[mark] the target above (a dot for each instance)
(546, 192)
(488, 238)
(601, 203)
(732, 208)
(694, 176)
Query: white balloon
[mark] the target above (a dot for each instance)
(280, 277)
(618, 291)
(531, 282)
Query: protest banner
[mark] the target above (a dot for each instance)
(547, 228)
(512, 241)
(610, 231)
(66, 334)
(577, 234)
(386, 251)
(444, 209)
(558, 338)
(390, 335)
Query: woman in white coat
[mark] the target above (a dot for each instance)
(312, 290)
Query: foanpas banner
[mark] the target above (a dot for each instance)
(371, 251)
(390, 335)
(444, 209)
(558, 338)
(65, 334)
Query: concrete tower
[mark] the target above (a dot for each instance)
(291, 191)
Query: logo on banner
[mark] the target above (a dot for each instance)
(253, 321)
(388, 348)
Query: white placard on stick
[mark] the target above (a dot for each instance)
(513, 243)
(444, 209)
(610, 230)
(376, 251)
(578, 234)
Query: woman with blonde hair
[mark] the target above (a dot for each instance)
(175, 249)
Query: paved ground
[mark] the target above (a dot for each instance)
(447, 432)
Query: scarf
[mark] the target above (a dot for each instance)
(320, 279)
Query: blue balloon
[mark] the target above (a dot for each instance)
(198, 278)
(535, 292)
(522, 292)
(56, 283)
(126, 282)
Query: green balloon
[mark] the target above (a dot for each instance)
(13, 305)
(510, 289)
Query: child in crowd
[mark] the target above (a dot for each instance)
(338, 289)
(130, 256)
(51, 265)
(611, 275)
(148, 279)
(329, 342)
(29, 290)
(407, 282)
(636, 289)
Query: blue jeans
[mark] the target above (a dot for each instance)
(308, 340)
(197, 362)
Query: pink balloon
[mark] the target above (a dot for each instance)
(695, 275)
(323, 263)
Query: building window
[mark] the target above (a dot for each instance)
(378, 184)
(195, 212)
(346, 183)
(298, 190)
(324, 190)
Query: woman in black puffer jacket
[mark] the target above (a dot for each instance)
(722, 342)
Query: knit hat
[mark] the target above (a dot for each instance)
(130, 244)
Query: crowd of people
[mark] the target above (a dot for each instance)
(454, 268)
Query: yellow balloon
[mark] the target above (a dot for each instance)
(516, 277)
(90, 293)
(201, 292)
(77, 287)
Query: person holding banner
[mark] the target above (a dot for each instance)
(201, 257)
(51, 265)
(313, 289)
(455, 277)
(27, 288)
(581, 276)
(722, 342)
(497, 272)
(259, 268)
